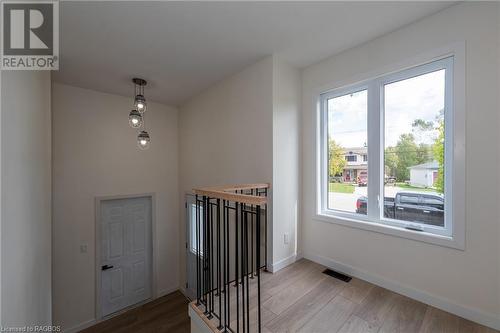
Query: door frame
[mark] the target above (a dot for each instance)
(97, 245)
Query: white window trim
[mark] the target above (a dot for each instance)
(454, 172)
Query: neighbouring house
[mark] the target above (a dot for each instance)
(356, 161)
(424, 175)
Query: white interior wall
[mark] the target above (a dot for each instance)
(26, 201)
(498, 150)
(465, 282)
(286, 162)
(225, 136)
(95, 154)
(1, 197)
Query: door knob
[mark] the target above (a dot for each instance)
(105, 267)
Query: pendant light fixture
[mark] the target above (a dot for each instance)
(136, 116)
(143, 140)
(139, 100)
(135, 119)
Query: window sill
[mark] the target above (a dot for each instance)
(365, 224)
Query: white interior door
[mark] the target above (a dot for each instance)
(126, 253)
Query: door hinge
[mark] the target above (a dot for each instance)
(186, 285)
(186, 245)
(186, 204)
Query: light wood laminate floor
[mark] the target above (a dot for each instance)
(300, 298)
(166, 314)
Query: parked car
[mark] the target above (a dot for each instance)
(426, 208)
(391, 181)
(335, 179)
(363, 178)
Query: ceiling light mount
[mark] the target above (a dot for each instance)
(139, 82)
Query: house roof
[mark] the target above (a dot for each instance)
(434, 165)
(355, 150)
(355, 167)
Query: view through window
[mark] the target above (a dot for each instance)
(414, 149)
(411, 146)
(347, 144)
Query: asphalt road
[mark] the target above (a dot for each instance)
(347, 201)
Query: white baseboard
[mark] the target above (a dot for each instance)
(273, 268)
(81, 326)
(483, 318)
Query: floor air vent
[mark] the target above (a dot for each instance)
(337, 275)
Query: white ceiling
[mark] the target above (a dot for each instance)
(181, 48)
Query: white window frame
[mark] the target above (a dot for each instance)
(453, 234)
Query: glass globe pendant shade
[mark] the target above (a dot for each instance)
(140, 103)
(143, 140)
(135, 119)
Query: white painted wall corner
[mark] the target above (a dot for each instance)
(274, 267)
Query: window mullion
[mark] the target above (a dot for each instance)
(324, 154)
(375, 151)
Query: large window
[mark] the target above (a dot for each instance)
(400, 125)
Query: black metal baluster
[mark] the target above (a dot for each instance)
(257, 236)
(207, 258)
(224, 256)
(218, 264)
(246, 270)
(198, 293)
(236, 271)
(251, 235)
(228, 289)
(205, 253)
(243, 206)
(265, 230)
(211, 262)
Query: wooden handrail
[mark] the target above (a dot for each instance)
(227, 193)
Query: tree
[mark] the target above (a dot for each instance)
(391, 161)
(438, 152)
(336, 159)
(423, 131)
(406, 149)
(422, 124)
(424, 153)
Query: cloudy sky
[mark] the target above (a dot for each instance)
(421, 97)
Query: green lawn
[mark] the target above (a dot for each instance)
(341, 188)
(349, 188)
(409, 187)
